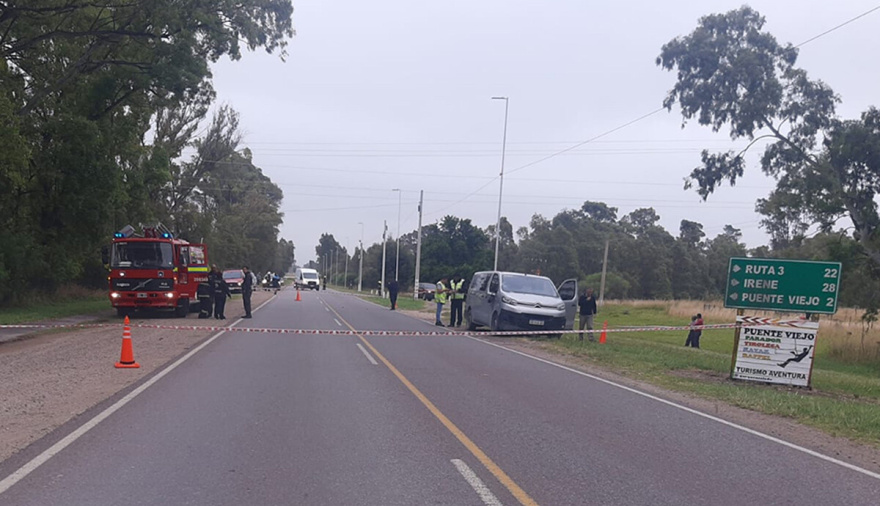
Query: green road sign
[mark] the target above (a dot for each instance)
(782, 285)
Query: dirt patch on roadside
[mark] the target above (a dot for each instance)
(52, 377)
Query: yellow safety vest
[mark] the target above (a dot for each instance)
(440, 296)
(455, 288)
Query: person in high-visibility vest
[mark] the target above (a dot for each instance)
(440, 298)
(456, 285)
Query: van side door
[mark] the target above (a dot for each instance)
(568, 292)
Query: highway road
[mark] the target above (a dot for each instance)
(283, 419)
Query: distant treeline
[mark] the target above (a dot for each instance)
(645, 261)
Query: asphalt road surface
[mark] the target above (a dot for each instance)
(277, 419)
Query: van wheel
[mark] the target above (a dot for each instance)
(470, 322)
(495, 325)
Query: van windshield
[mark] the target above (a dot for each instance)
(310, 275)
(528, 284)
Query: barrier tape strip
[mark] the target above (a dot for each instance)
(372, 332)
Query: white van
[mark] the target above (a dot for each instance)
(515, 301)
(307, 278)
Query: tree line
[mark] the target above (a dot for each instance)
(645, 261)
(100, 106)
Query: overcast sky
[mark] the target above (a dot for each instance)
(397, 94)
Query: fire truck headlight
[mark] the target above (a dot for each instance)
(114, 295)
(170, 295)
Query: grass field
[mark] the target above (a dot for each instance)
(845, 399)
(68, 302)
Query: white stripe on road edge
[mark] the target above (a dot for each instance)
(67, 440)
(691, 410)
(476, 483)
(369, 357)
(337, 322)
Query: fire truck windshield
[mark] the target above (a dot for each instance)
(142, 255)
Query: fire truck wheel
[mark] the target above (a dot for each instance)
(182, 308)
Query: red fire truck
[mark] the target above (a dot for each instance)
(155, 270)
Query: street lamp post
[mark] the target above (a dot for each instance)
(361, 268)
(501, 184)
(397, 257)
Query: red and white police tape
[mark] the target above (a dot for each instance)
(414, 333)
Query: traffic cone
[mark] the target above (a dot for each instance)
(298, 298)
(126, 361)
(604, 334)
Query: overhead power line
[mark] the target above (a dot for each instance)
(841, 25)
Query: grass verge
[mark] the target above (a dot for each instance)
(845, 400)
(59, 307)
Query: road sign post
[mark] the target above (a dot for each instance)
(782, 285)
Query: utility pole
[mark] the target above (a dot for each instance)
(361, 268)
(604, 269)
(501, 176)
(397, 258)
(384, 233)
(336, 265)
(345, 276)
(419, 247)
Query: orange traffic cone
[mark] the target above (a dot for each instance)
(604, 335)
(298, 298)
(127, 358)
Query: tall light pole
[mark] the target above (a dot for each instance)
(384, 242)
(501, 184)
(361, 268)
(397, 258)
(345, 276)
(418, 248)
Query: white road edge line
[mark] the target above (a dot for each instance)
(367, 354)
(692, 411)
(476, 483)
(337, 322)
(67, 440)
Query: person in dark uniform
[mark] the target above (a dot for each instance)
(205, 294)
(247, 287)
(456, 296)
(221, 292)
(393, 289)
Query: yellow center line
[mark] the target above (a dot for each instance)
(475, 450)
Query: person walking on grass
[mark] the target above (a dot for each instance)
(588, 310)
(695, 331)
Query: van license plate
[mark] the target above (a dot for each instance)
(536, 322)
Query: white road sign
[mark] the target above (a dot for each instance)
(775, 351)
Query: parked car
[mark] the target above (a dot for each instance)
(515, 301)
(426, 291)
(233, 278)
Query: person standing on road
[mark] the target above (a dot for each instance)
(440, 298)
(588, 310)
(221, 291)
(247, 287)
(457, 295)
(393, 289)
